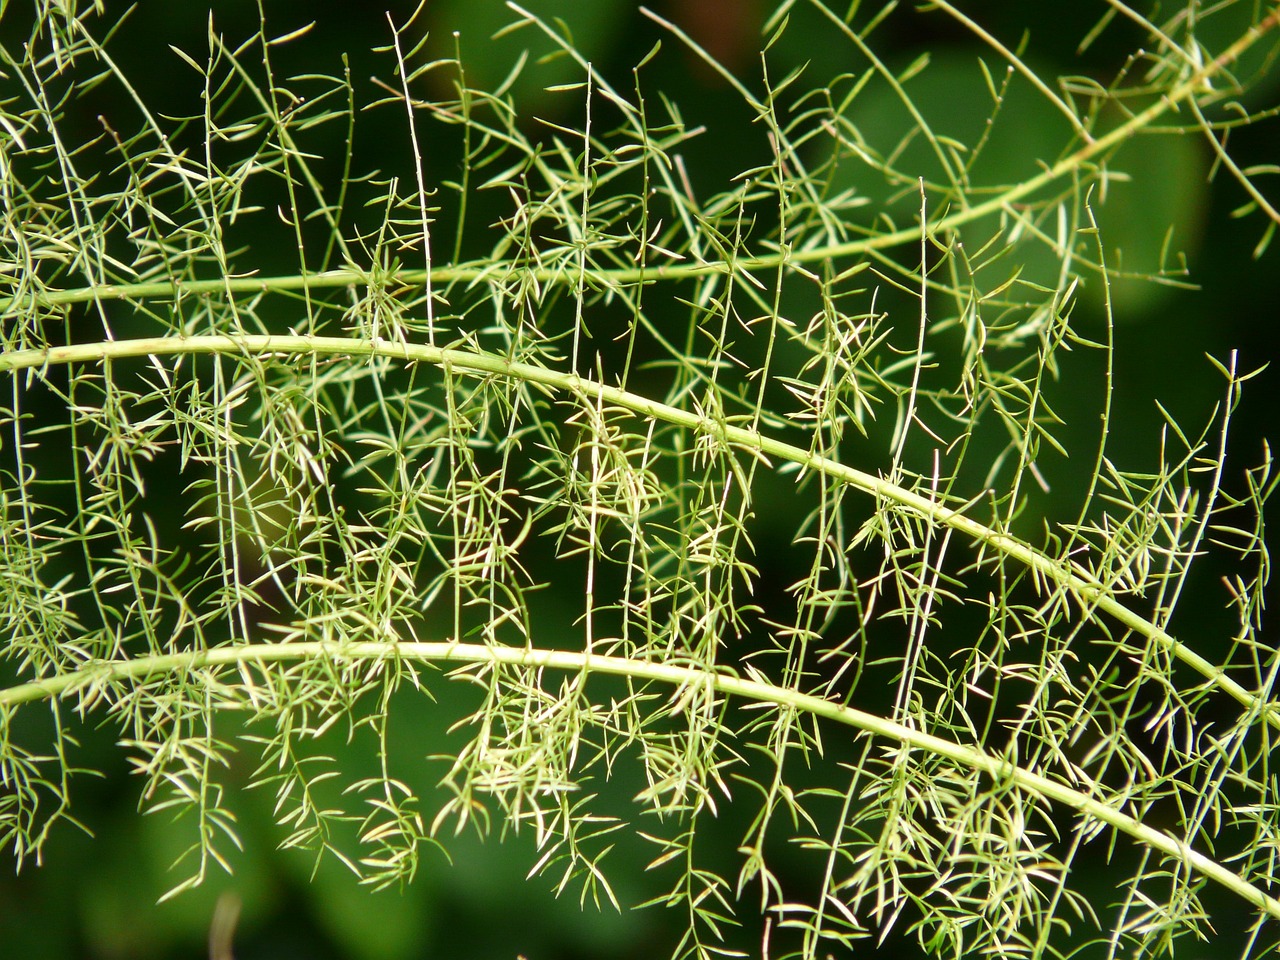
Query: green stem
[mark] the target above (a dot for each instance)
(1001, 771)
(1072, 577)
(463, 273)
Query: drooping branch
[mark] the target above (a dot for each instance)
(1050, 572)
(138, 670)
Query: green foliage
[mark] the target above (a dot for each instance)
(730, 522)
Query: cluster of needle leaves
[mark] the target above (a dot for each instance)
(733, 497)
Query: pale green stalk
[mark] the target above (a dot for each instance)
(1073, 577)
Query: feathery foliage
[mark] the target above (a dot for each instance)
(725, 506)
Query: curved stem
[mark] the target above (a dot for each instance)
(464, 273)
(1071, 577)
(1002, 771)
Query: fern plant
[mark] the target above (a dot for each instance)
(731, 524)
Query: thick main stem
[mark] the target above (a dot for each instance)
(1070, 577)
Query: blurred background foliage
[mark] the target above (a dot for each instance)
(95, 899)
